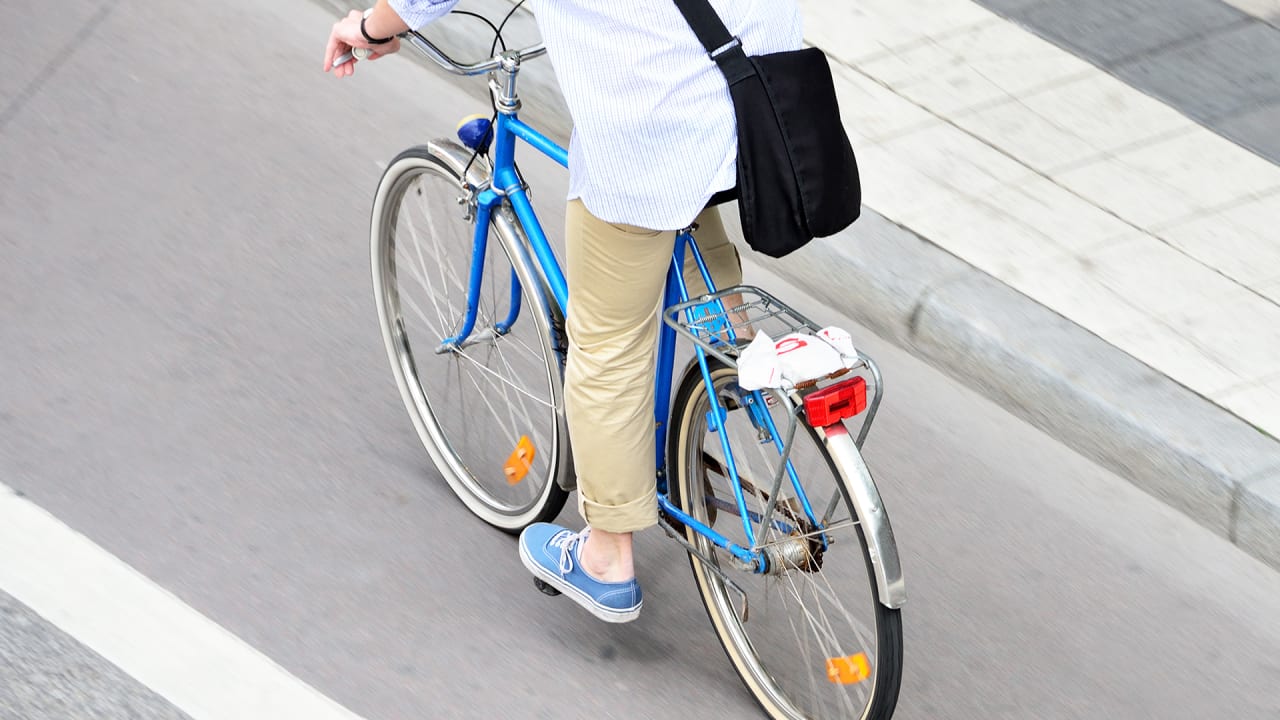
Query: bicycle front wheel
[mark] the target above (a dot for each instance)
(488, 410)
(809, 637)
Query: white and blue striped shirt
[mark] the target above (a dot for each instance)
(654, 132)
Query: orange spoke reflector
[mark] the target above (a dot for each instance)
(521, 459)
(848, 670)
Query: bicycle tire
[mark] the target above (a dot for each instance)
(797, 682)
(470, 405)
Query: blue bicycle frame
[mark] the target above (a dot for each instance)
(507, 184)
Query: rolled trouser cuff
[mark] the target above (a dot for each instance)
(628, 517)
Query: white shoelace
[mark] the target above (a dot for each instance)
(566, 540)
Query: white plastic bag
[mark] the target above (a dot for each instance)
(758, 364)
(794, 358)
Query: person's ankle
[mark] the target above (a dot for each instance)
(607, 560)
(608, 572)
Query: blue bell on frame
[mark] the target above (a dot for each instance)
(475, 132)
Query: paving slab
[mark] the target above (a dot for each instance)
(1268, 10)
(1218, 63)
(1257, 129)
(1216, 76)
(1111, 30)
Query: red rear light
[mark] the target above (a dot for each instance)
(831, 405)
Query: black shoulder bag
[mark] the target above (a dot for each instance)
(797, 177)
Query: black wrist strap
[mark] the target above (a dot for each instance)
(373, 40)
(724, 48)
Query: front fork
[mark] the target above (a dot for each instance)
(481, 205)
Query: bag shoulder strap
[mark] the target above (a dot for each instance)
(724, 48)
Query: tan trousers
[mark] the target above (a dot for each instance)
(616, 275)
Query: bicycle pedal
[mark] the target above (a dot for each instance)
(544, 587)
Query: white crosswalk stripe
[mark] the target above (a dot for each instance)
(143, 629)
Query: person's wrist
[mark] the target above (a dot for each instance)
(369, 37)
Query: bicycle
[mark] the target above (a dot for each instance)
(765, 490)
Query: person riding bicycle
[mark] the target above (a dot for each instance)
(654, 138)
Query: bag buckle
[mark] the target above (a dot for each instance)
(734, 43)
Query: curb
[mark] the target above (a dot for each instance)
(1098, 400)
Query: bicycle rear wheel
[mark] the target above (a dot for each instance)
(809, 638)
(489, 412)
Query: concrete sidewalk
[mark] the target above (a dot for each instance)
(1071, 223)
(1092, 252)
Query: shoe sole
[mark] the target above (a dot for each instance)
(572, 592)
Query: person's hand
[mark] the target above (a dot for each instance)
(345, 36)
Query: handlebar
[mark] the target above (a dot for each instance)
(425, 47)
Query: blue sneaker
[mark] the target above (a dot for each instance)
(552, 554)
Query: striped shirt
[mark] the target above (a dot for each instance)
(654, 133)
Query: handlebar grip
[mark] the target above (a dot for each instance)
(352, 54)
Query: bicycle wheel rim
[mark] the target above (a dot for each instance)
(815, 644)
(471, 406)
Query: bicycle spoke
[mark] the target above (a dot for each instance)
(499, 378)
(440, 333)
(434, 236)
(810, 647)
(520, 397)
(473, 403)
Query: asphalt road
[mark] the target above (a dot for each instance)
(191, 375)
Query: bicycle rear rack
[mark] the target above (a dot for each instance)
(721, 322)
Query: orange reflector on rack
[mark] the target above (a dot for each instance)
(830, 405)
(521, 459)
(848, 670)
